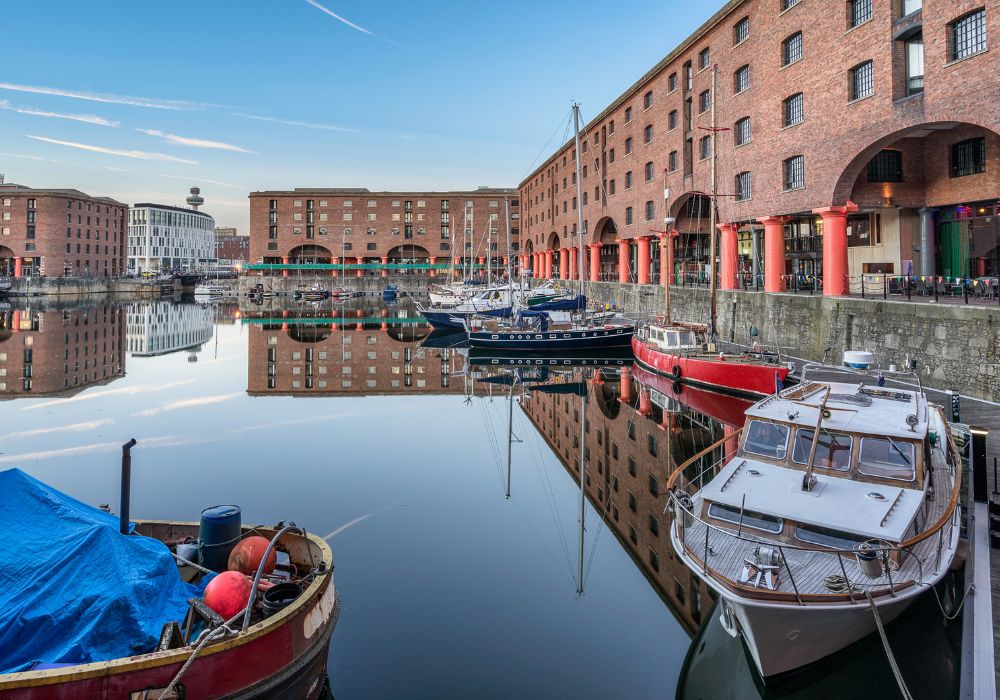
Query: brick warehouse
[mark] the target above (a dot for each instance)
(359, 227)
(60, 232)
(855, 140)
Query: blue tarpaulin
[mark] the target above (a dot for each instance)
(72, 588)
(577, 303)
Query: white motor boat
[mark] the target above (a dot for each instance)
(805, 540)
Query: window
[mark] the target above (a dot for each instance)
(785, 4)
(741, 131)
(628, 180)
(794, 110)
(967, 35)
(704, 101)
(688, 77)
(649, 211)
(672, 82)
(826, 537)
(611, 127)
(741, 79)
(611, 187)
(863, 80)
(832, 452)
(628, 216)
(705, 147)
(647, 134)
(647, 100)
(672, 161)
(887, 458)
(704, 58)
(749, 518)
(766, 439)
(741, 30)
(914, 48)
(795, 173)
(743, 187)
(791, 49)
(649, 171)
(654, 525)
(672, 120)
(611, 155)
(628, 145)
(628, 115)
(911, 6)
(858, 12)
(886, 166)
(968, 157)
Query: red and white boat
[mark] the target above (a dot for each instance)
(679, 351)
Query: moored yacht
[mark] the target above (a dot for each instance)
(810, 542)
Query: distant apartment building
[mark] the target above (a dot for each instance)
(163, 238)
(231, 247)
(357, 226)
(162, 327)
(849, 137)
(59, 232)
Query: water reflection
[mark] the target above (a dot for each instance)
(46, 350)
(162, 327)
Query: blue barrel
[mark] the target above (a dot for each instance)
(219, 533)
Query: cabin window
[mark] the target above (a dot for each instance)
(766, 439)
(832, 452)
(826, 537)
(887, 458)
(751, 518)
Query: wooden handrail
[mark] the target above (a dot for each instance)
(692, 460)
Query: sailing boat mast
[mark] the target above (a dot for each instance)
(583, 396)
(489, 251)
(666, 274)
(510, 255)
(713, 279)
(510, 427)
(583, 476)
(579, 196)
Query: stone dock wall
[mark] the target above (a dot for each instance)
(83, 287)
(956, 346)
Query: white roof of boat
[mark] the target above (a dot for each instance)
(837, 503)
(885, 414)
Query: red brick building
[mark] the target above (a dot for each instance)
(46, 352)
(857, 136)
(356, 226)
(231, 247)
(60, 233)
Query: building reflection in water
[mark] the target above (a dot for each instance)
(162, 327)
(46, 350)
(637, 431)
(342, 350)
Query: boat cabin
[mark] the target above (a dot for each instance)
(675, 338)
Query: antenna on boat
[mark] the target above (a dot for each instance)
(808, 479)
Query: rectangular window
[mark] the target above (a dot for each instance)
(832, 452)
(628, 180)
(795, 173)
(968, 157)
(915, 64)
(705, 147)
(628, 215)
(672, 120)
(672, 82)
(863, 80)
(650, 212)
(741, 131)
(886, 166)
(647, 100)
(705, 101)
(744, 188)
(766, 439)
(968, 35)
(785, 4)
(887, 458)
(628, 115)
(628, 145)
(741, 31)
(704, 58)
(911, 6)
(791, 49)
(741, 79)
(749, 518)
(649, 171)
(672, 161)
(794, 110)
(859, 12)
(647, 134)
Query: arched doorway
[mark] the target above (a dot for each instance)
(6, 262)
(309, 255)
(927, 203)
(692, 219)
(606, 234)
(407, 254)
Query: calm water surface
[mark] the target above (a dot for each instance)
(340, 419)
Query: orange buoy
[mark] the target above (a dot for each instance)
(246, 556)
(228, 593)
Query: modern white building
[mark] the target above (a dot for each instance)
(161, 327)
(162, 238)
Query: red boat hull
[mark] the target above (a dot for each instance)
(733, 376)
(725, 408)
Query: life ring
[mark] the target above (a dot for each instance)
(676, 371)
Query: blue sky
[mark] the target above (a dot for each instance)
(242, 95)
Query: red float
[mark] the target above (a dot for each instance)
(228, 593)
(246, 556)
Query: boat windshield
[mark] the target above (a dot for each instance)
(832, 452)
(837, 539)
(674, 339)
(887, 458)
(766, 439)
(751, 518)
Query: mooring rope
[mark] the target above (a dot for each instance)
(206, 637)
(888, 650)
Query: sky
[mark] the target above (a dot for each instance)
(141, 100)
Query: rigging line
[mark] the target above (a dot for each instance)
(568, 574)
(489, 437)
(565, 120)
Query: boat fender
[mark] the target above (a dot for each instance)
(228, 593)
(677, 387)
(676, 371)
(246, 556)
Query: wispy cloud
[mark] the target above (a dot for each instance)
(85, 118)
(293, 421)
(138, 155)
(99, 447)
(25, 156)
(199, 180)
(149, 102)
(189, 403)
(337, 17)
(294, 122)
(72, 428)
(192, 141)
(104, 393)
(117, 170)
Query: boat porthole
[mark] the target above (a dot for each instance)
(793, 635)
(876, 496)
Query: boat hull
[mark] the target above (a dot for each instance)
(752, 380)
(553, 341)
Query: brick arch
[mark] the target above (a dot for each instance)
(605, 231)
(310, 253)
(844, 186)
(529, 247)
(408, 252)
(552, 241)
(678, 206)
(406, 334)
